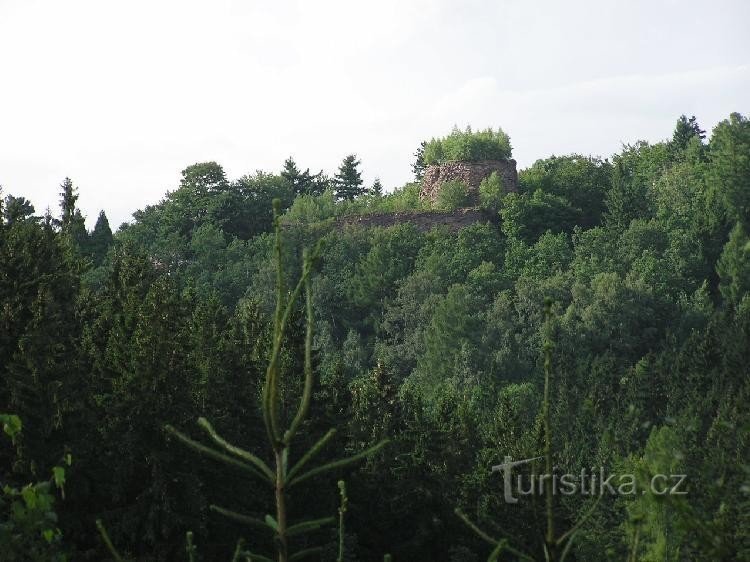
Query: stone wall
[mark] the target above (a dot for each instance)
(470, 173)
(423, 220)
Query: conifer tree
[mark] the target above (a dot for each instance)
(302, 183)
(72, 222)
(348, 179)
(686, 129)
(101, 239)
(68, 198)
(282, 474)
(17, 209)
(377, 188)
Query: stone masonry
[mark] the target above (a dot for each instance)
(470, 173)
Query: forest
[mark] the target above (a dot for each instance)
(234, 375)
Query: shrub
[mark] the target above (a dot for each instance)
(491, 192)
(467, 146)
(452, 195)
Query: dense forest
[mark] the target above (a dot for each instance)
(599, 318)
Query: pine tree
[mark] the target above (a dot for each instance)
(348, 180)
(377, 188)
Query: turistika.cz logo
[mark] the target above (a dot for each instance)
(593, 482)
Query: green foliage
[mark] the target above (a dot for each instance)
(418, 166)
(303, 183)
(17, 209)
(452, 195)
(734, 267)
(468, 146)
(28, 521)
(491, 192)
(581, 181)
(100, 240)
(281, 429)
(348, 180)
(526, 217)
(430, 339)
(685, 132)
(729, 168)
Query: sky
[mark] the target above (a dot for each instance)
(121, 96)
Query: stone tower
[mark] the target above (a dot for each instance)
(470, 173)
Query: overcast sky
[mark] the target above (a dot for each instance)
(121, 96)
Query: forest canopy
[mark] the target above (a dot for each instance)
(599, 317)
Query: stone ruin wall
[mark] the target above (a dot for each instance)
(470, 173)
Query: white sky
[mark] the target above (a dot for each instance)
(121, 96)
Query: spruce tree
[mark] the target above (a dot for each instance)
(684, 130)
(101, 239)
(301, 182)
(68, 198)
(72, 223)
(348, 180)
(377, 188)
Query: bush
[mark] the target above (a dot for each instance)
(491, 192)
(452, 195)
(467, 146)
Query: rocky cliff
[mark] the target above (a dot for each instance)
(470, 173)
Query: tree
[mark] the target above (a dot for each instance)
(491, 191)
(101, 239)
(302, 183)
(582, 180)
(72, 223)
(68, 198)
(729, 169)
(452, 195)
(280, 429)
(684, 131)
(418, 166)
(205, 177)
(17, 209)
(528, 216)
(377, 188)
(348, 180)
(734, 267)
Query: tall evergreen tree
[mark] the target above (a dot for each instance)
(684, 130)
(101, 239)
(348, 180)
(72, 222)
(301, 182)
(68, 198)
(377, 188)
